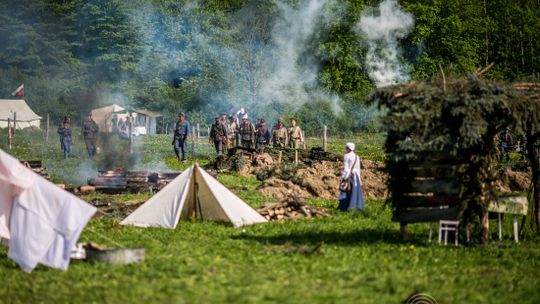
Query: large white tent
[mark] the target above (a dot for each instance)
(194, 194)
(24, 114)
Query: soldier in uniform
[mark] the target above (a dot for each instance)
(296, 138)
(90, 131)
(181, 130)
(263, 135)
(506, 144)
(232, 132)
(279, 135)
(247, 132)
(218, 134)
(65, 138)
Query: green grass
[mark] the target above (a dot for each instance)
(361, 258)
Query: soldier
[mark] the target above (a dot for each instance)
(181, 131)
(505, 145)
(296, 138)
(247, 132)
(279, 135)
(232, 132)
(65, 138)
(263, 135)
(90, 130)
(218, 134)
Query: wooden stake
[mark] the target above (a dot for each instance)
(304, 140)
(324, 138)
(192, 143)
(443, 77)
(279, 157)
(9, 132)
(14, 124)
(47, 129)
(166, 128)
(198, 132)
(296, 156)
(163, 130)
(130, 134)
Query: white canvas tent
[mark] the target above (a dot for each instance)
(25, 116)
(194, 194)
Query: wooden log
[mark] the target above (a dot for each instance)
(62, 186)
(279, 157)
(87, 188)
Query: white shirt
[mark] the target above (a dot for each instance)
(348, 161)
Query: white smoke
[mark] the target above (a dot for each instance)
(292, 71)
(382, 32)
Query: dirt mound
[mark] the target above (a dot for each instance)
(322, 180)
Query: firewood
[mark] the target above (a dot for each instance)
(87, 188)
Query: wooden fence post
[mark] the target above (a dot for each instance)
(198, 132)
(192, 143)
(324, 138)
(130, 145)
(163, 130)
(304, 140)
(295, 156)
(9, 132)
(167, 128)
(14, 124)
(47, 129)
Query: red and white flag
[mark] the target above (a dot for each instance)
(19, 92)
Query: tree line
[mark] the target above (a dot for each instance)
(204, 57)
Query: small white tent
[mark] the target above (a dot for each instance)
(194, 194)
(25, 116)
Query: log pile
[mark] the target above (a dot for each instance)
(116, 181)
(290, 208)
(37, 167)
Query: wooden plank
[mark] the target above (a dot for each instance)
(438, 186)
(425, 215)
(434, 170)
(428, 201)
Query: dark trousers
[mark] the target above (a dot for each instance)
(247, 143)
(66, 146)
(91, 146)
(219, 145)
(180, 145)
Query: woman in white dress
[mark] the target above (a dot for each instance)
(353, 198)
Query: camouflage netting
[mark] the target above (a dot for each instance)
(454, 123)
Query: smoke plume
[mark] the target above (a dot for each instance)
(382, 28)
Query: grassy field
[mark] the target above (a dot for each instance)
(347, 258)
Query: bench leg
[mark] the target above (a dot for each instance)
(516, 228)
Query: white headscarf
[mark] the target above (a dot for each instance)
(350, 145)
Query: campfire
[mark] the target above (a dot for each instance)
(120, 180)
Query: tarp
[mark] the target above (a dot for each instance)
(25, 116)
(41, 222)
(194, 194)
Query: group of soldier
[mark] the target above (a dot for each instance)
(227, 133)
(89, 130)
